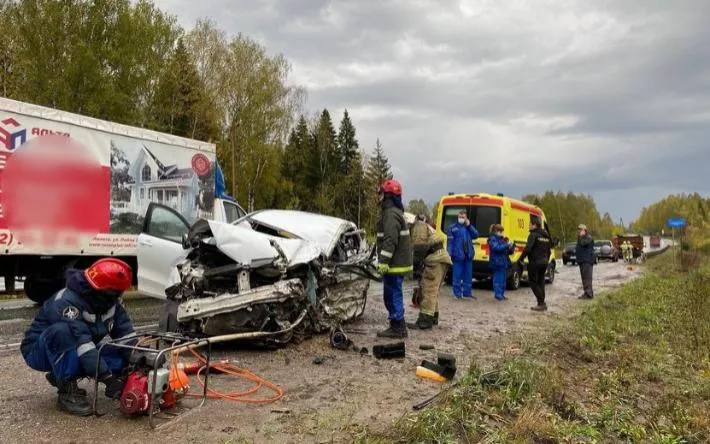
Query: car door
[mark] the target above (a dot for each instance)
(232, 211)
(160, 249)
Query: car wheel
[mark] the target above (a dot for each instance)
(573, 263)
(514, 278)
(564, 261)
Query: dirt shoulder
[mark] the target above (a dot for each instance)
(333, 401)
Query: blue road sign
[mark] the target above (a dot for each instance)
(676, 222)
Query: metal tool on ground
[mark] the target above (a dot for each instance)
(155, 380)
(389, 351)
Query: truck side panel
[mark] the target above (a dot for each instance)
(100, 210)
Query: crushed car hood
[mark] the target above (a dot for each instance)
(251, 248)
(323, 231)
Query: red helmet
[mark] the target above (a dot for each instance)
(109, 274)
(391, 186)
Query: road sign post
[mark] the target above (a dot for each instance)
(677, 223)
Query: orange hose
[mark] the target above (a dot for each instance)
(233, 370)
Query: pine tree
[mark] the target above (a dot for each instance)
(180, 98)
(378, 170)
(348, 145)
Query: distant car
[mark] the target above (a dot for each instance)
(605, 249)
(569, 254)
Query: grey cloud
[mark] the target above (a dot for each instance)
(632, 76)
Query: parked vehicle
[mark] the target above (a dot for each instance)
(569, 254)
(655, 242)
(484, 210)
(74, 188)
(605, 249)
(270, 270)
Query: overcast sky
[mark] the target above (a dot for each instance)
(610, 98)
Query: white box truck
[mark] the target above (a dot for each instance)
(74, 189)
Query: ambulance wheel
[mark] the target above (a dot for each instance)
(550, 273)
(514, 278)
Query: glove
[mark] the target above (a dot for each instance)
(383, 268)
(114, 386)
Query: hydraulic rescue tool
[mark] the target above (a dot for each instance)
(153, 380)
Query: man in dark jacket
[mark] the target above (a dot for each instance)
(459, 243)
(537, 250)
(585, 259)
(395, 255)
(63, 337)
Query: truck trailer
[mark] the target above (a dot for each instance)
(74, 189)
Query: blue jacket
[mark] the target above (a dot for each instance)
(500, 252)
(585, 249)
(460, 241)
(90, 318)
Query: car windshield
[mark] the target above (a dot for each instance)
(602, 243)
(571, 245)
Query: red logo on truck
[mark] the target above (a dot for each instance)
(201, 164)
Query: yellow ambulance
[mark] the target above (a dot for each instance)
(485, 210)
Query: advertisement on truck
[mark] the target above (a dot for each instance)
(74, 188)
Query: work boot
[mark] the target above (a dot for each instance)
(398, 330)
(539, 307)
(436, 318)
(71, 401)
(53, 382)
(424, 322)
(584, 296)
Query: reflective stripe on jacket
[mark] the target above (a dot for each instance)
(394, 245)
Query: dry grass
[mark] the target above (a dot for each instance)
(634, 367)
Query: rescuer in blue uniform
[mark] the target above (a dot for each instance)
(63, 337)
(460, 246)
(499, 261)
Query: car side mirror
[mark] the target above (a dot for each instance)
(185, 241)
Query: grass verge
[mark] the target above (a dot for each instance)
(633, 367)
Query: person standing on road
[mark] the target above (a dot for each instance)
(585, 259)
(63, 337)
(394, 255)
(537, 250)
(432, 261)
(461, 235)
(499, 261)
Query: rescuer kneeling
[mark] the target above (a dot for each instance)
(63, 337)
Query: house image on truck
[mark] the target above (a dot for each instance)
(153, 181)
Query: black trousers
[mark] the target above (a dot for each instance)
(586, 270)
(536, 278)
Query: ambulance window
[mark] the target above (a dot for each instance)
(451, 214)
(483, 217)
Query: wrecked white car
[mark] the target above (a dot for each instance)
(265, 272)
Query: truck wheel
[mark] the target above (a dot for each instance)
(10, 283)
(39, 290)
(514, 278)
